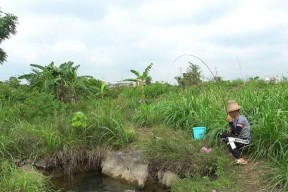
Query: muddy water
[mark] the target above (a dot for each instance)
(95, 182)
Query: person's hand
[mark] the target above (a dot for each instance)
(229, 119)
(229, 130)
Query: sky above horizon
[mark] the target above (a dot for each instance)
(108, 38)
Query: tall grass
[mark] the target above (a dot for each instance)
(278, 175)
(266, 109)
(109, 125)
(17, 179)
(184, 110)
(265, 106)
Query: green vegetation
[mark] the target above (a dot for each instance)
(8, 24)
(192, 77)
(70, 121)
(24, 179)
(142, 79)
(61, 81)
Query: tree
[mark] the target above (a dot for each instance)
(217, 78)
(8, 24)
(192, 77)
(61, 81)
(141, 79)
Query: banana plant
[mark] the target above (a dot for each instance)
(60, 81)
(141, 79)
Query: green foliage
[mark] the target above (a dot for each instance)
(192, 77)
(181, 112)
(8, 24)
(15, 179)
(79, 120)
(103, 90)
(130, 93)
(12, 92)
(144, 116)
(141, 79)
(237, 83)
(116, 92)
(110, 126)
(61, 81)
(23, 141)
(39, 105)
(155, 90)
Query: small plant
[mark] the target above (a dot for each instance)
(102, 89)
(79, 120)
(141, 79)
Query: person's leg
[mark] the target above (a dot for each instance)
(241, 147)
(238, 153)
(234, 150)
(224, 136)
(234, 147)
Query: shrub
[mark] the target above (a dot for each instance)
(39, 105)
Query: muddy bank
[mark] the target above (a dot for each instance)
(129, 167)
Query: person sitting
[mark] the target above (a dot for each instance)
(239, 134)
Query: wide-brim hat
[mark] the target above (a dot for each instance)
(232, 106)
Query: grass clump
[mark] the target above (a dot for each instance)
(21, 179)
(203, 184)
(278, 174)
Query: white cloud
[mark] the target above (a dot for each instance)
(69, 46)
(251, 16)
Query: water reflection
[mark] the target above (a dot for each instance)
(95, 182)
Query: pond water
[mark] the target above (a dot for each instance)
(96, 182)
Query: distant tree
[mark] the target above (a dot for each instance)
(8, 24)
(61, 81)
(141, 79)
(148, 80)
(217, 78)
(13, 82)
(192, 77)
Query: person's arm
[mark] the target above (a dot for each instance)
(235, 130)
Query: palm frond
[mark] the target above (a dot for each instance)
(147, 70)
(135, 72)
(38, 66)
(27, 76)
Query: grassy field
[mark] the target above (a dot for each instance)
(34, 125)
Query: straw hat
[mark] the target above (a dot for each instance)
(232, 106)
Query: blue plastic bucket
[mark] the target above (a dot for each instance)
(199, 132)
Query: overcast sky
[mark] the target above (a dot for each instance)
(238, 39)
